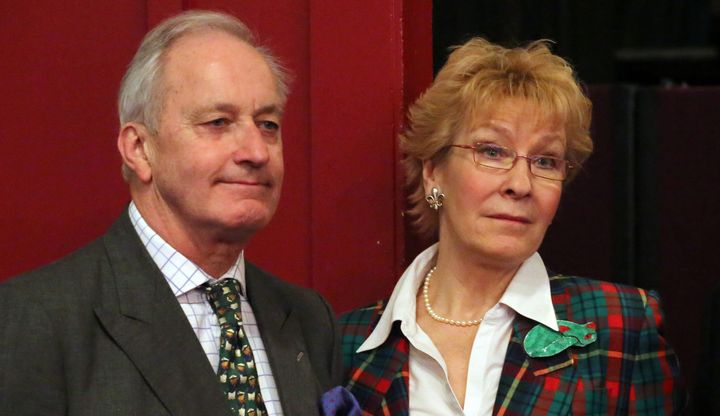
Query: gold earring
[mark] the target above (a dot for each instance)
(435, 198)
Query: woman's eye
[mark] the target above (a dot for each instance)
(546, 162)
(491, 152)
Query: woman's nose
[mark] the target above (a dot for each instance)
(518, 180)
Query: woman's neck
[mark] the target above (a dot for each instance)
(465, 286)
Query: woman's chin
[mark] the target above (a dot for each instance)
(506, 252)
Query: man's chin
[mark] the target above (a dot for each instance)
(243, 227)
(235, 223)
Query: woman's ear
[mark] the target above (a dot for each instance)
(134, 146)
(430, 174)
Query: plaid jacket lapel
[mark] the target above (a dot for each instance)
(378, 378)
(543, 384)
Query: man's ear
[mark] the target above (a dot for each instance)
(134, 146)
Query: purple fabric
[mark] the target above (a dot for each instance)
(338, 401)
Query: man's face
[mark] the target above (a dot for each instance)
(217, 163)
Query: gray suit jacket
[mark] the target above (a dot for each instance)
(100, 333)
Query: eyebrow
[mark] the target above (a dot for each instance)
(222, 107)
(269, 109)
(546, 139)
(233, 109)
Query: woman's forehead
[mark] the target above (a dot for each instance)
(545, 110)
(502, 115)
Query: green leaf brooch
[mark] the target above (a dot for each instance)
(542, 341)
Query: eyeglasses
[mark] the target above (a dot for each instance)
(499, 157)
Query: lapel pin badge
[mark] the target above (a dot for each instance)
(542, 341)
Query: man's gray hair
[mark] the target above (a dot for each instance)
(141, 95)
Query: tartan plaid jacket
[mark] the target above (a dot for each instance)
(630, 369)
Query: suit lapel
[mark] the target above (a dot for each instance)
(524, 380)
(284, 341)
(149, 325)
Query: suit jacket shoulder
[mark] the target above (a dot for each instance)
(630, 368)
(100, 332)
(583, 298)
(77, 268)
(301, 335)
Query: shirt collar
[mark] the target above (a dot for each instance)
(527, 294)
(181, 273)
(402, 303)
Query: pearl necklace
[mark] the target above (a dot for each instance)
(435, 315)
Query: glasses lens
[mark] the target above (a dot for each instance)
(493, 156)
(499, 157)
(548, 167)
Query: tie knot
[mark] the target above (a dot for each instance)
(224, 295)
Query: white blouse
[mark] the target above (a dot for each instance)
(430, 393)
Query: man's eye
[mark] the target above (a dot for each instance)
(268, 125)
(218, 122)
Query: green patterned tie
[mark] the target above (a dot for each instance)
(238, 375)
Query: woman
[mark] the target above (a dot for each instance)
(475, 325)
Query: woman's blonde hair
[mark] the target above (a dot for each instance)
(478, 76)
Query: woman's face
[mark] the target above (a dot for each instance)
(498, 216)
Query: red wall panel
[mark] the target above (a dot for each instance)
(353, 122)
(62, 63)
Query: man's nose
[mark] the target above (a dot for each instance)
(250, 146)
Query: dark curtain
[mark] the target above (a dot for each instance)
(607, 41)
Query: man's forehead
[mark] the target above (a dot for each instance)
(217, 59)
(209, 43)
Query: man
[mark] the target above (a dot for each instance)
(134, 323)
